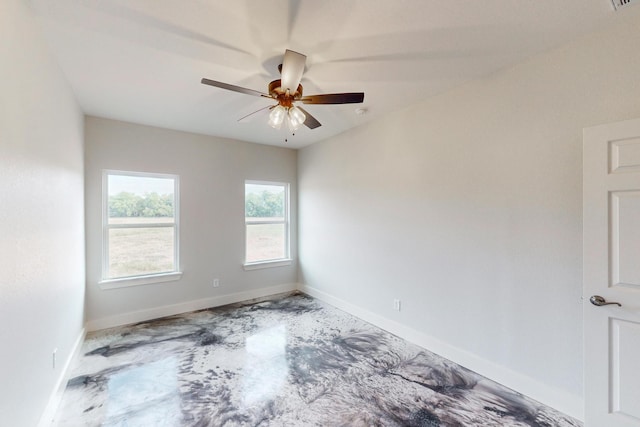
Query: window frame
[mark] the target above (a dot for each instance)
(139, 279)
(286, 221)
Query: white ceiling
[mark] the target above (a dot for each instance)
(142, 60)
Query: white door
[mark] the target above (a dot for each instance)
(612, 271)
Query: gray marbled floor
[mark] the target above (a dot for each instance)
(286, 361)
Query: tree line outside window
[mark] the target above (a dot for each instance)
(265, 204)
(150, 205)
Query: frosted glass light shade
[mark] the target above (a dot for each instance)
(292, 125)
(296, 116)
(276, 117)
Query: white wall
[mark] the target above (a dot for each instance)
(41, 219)
(467, 207)
(212, 173)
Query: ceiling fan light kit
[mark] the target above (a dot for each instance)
(281, 91)
(293, 116)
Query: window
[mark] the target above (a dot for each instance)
(140, 225)
(266, 222)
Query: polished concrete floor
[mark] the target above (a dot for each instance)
(285, 361)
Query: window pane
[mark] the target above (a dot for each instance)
(265, 242)
(264, 202)
(140, 200)
(138, 251)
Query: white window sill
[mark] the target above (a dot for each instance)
(126, 282)
(267, 264)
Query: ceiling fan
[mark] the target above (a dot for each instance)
(287, 91)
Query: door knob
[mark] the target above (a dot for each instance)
(599, 301)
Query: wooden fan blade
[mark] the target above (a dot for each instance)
(292, 69)
(334, 98)
(310, 122)
(233, 88)
(245, 118)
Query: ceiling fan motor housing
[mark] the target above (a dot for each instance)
(284, 97)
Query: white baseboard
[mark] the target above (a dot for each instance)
(562, 401)
(185, 307)
(56, 395)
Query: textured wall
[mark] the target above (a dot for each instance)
(467, 207)
(41, 219)
(212, 173)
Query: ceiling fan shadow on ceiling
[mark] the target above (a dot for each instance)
(287, 91)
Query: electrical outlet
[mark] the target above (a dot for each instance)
(216, 283)
(53, 358)
(396, 304)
